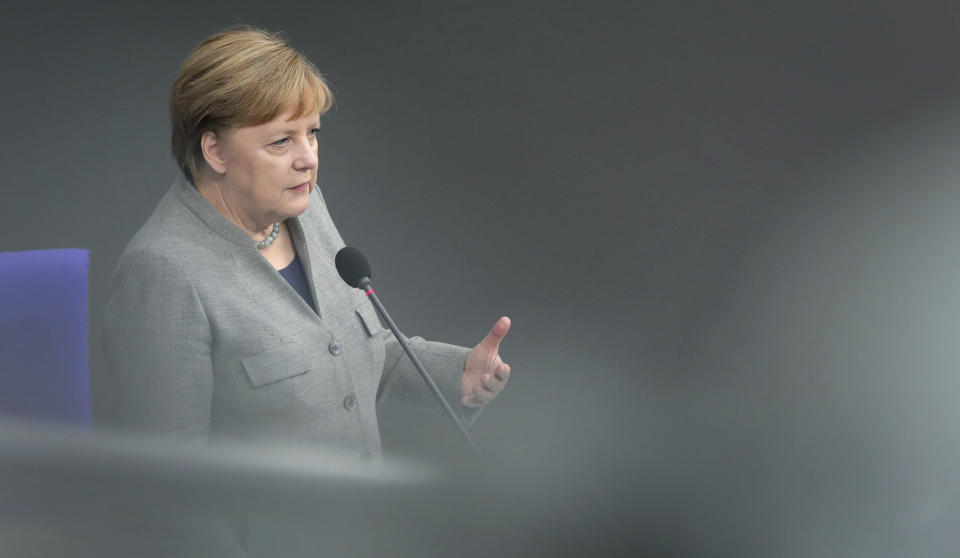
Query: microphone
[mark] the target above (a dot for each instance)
(352, 266)
(355, 271)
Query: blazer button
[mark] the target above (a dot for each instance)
(350, 402)
(335, 348)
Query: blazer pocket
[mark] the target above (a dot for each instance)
(276, 364)
(368, 316)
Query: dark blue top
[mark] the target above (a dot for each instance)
(297, 278)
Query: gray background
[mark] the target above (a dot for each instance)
(725, 235)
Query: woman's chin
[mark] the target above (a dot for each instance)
(298, 203)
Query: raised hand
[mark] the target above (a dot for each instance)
(485, 374)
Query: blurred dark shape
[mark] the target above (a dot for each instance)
(69, 492)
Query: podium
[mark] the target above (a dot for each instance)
(67, 491)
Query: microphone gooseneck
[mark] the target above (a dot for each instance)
(355, 271)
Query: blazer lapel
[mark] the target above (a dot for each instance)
(318, 266)
(303, 252)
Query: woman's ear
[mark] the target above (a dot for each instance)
(212, 146)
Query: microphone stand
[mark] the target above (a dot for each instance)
(365, 285)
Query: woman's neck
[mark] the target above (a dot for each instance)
(216, 193)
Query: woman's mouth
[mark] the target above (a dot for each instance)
(299, 187)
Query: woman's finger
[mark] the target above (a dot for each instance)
(502, 372)
(490, 384)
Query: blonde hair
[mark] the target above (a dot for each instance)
(239, 77)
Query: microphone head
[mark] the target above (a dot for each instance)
(352, 266)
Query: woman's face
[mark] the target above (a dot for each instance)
(271, 168)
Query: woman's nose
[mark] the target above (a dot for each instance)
(306, 156)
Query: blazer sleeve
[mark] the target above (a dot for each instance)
(401, 381)
(157, 347)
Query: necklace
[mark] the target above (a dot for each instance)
(261, 244)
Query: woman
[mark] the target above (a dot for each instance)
(226, 316)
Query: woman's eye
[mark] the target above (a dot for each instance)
(315, 131)
(281, 142)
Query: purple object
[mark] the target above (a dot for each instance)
(44, 361)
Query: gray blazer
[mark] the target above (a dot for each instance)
(203, 337)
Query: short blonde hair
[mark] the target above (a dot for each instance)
(239, 77)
